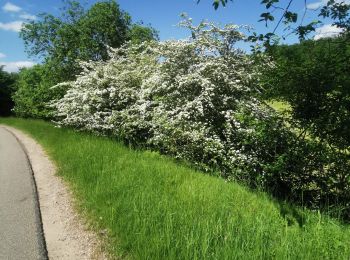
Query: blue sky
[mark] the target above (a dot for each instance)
(161, 14)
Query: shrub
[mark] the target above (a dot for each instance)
(198, 100)
(314, 78)
(34, 92)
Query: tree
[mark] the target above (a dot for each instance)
(139, 33)
(313, 77)
(34, 92)
(104, 24)
(76, 35)
(7, 81)
(80, 34)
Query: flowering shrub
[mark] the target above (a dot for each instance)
(196, 99)
(188, 98)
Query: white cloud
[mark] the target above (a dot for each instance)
(12, 26)
(316, 5)
(8, 7)
(2, 55)
(16, 65)
(327, 30)
(27, 16)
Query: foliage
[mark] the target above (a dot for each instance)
(139, 33)
(199, 100)
(313, 77)
(34, 92)
(80, 34)
(76, 35)
(335, 10)
(7, 88)
(339, 12)
(178, 96)
(149, 207)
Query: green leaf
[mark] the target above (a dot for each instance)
(290, 17)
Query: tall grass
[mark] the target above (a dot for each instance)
(154, 208)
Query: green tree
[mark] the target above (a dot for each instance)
(313, 77)
(79, 34)
(34, 92)
(7, 88)
(62, 41)
(139, 33)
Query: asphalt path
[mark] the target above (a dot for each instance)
(21, 234)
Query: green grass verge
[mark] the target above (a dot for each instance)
(154, 208)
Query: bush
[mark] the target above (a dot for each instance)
(198, 100)
(34, 92)
(314, 78)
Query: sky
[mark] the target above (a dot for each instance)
(163, 15)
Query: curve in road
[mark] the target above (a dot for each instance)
(21, 233)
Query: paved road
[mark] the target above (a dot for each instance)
(21, 235)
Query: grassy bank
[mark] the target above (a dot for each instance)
(154, 208)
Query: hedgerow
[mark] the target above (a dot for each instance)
(199, 100)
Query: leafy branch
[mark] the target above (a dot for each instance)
(337, 11)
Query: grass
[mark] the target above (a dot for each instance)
(280, 106)
(154, 208)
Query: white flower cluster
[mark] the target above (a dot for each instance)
(193, 98)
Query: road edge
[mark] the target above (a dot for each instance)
(64, 231)
(38, 219)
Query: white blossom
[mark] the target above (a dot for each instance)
(182, 97)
